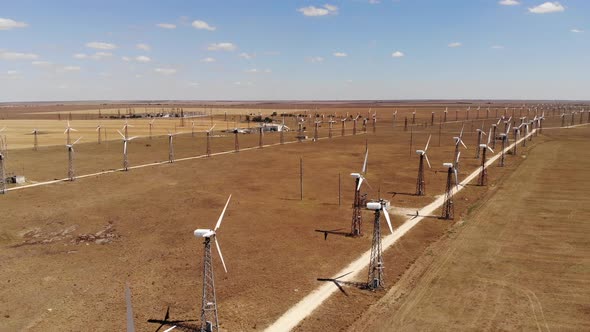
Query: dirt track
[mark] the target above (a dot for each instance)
(518, 262)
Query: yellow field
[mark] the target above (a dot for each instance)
(51, 132)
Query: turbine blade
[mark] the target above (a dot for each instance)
(130, 321)
(456, 177)
(121, 134)
(124, 147)
(386, 214)
(366, 159)
(458, 155)
(427, 161)
(461, 140)
(367, 182)
(77, 140)
(428, 142)
(490, 149)
(461, 134)
(221, 216)
(358, 186)
(170, 329)
(220, 255)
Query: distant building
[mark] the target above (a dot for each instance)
(274, 127)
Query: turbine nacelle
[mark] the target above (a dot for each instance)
(420, 152)
(448, 165)
(205, 233)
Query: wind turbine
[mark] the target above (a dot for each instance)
(316, 131)
(261, 137)
(448, 210)
(2, 157)
(35, 132)
(208, 133)
(357, 206)
(516, 131)
(209, 318)
(375, 279)
(483, 176)
(504, 138)
(343, 121)
(151, 124)
(420, 183)
(354, 124)
(125, 141)
(70, 147)
(494, 130)
(125, 128)
(171, 146)
(458, 140)
(67, 132)
(480, 132)
(98, 129)
(330, 126)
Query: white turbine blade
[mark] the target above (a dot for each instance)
(490, 149)
(366, 159)
(490, 137)
(483, 132)
(72, 129)
(386, 214)
(461, 133)
(358, 186)
(458, 155)
(170, 329)
(121, 134)
(428, 161)
(508, 129)
(220, 255)
(211, 128)
(130, 322)
(456, 177)
(132, 138)
(461, 140)
(77, 140)
(124, 147)
(221, 215)
(65, 131)
(1, 130)
(428, 142)
(367, 182)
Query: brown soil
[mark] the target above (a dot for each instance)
(272, 251)
(519, 261)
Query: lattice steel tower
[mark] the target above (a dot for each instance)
(375, 279)
(448, 209)
(209, 318)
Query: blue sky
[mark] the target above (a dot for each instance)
(268, 50)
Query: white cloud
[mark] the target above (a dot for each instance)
(509, 3)
(71, 68)
(202, 25)
(455, 44)
(143, 58)
(101, 45)
(268, 71)
(17, 56)
(498, 47)
(8, 24)
(243, 83)
(125, 58)
(547, 7)
(315, 59)
(144, 47)
(246, 56)
(397, 54)
(41, 63)
(95, 56)
(252, 71)
(576, 30)
(208, 60)
(339, 54)
(12, 73)
(166, 25)
(225, 46)
(326, 9)
(165, 71)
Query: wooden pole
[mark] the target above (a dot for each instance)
(301, 178)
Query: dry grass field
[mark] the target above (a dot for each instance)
(519, 261)
(67, 249)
